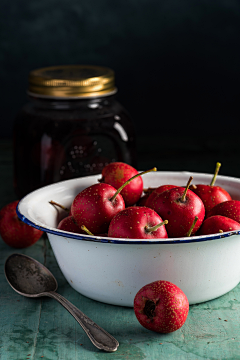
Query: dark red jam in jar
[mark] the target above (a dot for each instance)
(72, 127)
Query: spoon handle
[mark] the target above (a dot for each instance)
(98, 336)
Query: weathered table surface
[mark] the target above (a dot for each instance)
(43, 329)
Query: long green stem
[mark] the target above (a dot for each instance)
(154, 228)
(128, 181)
(191, 228)
(83, 227)
(218, 165)
(183, 198)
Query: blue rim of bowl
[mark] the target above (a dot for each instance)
(169, 241)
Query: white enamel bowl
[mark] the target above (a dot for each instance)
(112, 270)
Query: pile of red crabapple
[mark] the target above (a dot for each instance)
(116, 207)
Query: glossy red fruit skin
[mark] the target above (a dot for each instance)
(211, 195)
(157, 191)
(213, 224)
(230, 209)
(180, 215)
(15, 232)
(92, 207)
(171, 306)
(69, 224)
(130, 224)
(116, 174)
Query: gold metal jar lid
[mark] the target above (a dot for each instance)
(70, 81)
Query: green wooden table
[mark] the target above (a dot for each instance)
(43, 329)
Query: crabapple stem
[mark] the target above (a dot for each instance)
(183, 198)
(218, 165)
(148, 190)
(154, 228)
(83, 227)
(193, 187)
(193, 224)
(59, 205)
(128, 181)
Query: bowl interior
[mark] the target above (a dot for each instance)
(36, 210)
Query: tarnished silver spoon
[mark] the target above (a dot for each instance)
(30, 278)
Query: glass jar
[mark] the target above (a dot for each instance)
(72, 127)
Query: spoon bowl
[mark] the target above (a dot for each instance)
(30, 278)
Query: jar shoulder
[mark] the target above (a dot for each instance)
(102, 114)
(90, 107)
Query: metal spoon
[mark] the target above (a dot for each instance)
(30, 278)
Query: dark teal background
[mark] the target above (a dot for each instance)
(176, 62)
